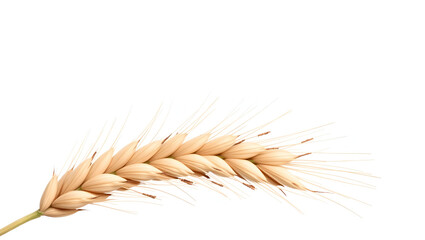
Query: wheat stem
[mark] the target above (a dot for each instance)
(20, 221)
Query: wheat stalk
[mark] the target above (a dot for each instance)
(97, 178)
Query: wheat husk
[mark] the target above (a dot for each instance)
(274, 157)
(103, 183)
(139, 172)
(49, 193)
(73, 200)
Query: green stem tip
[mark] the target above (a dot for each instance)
(20, 221)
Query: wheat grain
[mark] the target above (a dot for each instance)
(229, 156)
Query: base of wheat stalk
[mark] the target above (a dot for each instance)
(20, 221)
(248, 158)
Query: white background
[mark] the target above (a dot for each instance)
(67, 67)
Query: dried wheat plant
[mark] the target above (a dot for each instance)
(212, 159)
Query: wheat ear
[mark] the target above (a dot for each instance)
(97, 178)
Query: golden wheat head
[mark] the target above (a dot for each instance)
(210, 156)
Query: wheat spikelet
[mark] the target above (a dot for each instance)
(234, 156)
